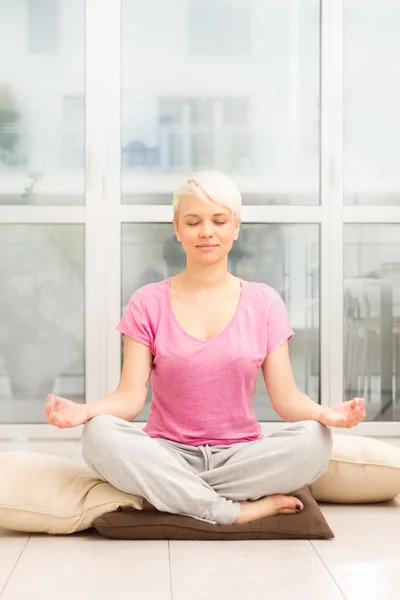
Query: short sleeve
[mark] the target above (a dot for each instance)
(279, 329)
(135, 321)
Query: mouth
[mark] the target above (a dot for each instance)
(207, 246)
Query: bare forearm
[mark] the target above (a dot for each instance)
(118, 404)
(299, 408)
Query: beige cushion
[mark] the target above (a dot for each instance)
(49, 494)
(361, 469)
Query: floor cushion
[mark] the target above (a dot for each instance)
(153, 525)
(361, 469)
(50, 494)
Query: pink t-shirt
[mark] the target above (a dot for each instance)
(202, 391)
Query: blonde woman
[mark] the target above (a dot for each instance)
(200, 338)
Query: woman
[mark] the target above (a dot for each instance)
(200, 338)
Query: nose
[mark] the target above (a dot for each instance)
(206, 230)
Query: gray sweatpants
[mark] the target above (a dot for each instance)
(205, 482)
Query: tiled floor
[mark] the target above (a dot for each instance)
(361, 563)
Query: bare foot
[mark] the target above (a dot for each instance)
(277, 504)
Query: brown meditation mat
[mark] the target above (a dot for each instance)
(309, 523)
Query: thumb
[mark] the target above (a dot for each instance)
(336, 419)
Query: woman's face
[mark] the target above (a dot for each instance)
(205, 231)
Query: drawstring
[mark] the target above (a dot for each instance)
(208, 458)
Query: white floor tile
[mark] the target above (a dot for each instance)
(12, 543)
(88, 567)
(249, 569)
(365, 556)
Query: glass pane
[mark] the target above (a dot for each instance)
(42, 102)
(41, 318)
(372, 318)
(371, 101)
(229, 85)
(285, 257)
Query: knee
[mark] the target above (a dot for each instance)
(320, 438)
(319, 442)
(96, 431)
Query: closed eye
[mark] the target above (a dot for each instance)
(215, 222)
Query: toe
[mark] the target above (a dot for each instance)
(291, 503)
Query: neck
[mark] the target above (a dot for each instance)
(210, 277)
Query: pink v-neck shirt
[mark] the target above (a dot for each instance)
(202, 391)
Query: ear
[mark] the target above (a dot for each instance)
(175, 224)
(236, 234)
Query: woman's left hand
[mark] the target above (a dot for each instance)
(348, 414)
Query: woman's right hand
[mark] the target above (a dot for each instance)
(64, 413)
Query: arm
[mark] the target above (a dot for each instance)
(286, 399)
(128, 399)
(292, 405)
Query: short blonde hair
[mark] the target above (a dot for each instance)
(210, 186)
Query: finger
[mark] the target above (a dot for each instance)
(50, 419)
(49, 404)
(359, 413)
(58, 420)
(355, 421)
(361, 403)
(351, 421)
(53, 400)
(56, 406)
(361, 416)
(52, 414)
(48, 409)
(46, 414)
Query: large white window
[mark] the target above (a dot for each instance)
(219, 27)
(106, 106)
(43, 26)
(371, 97)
